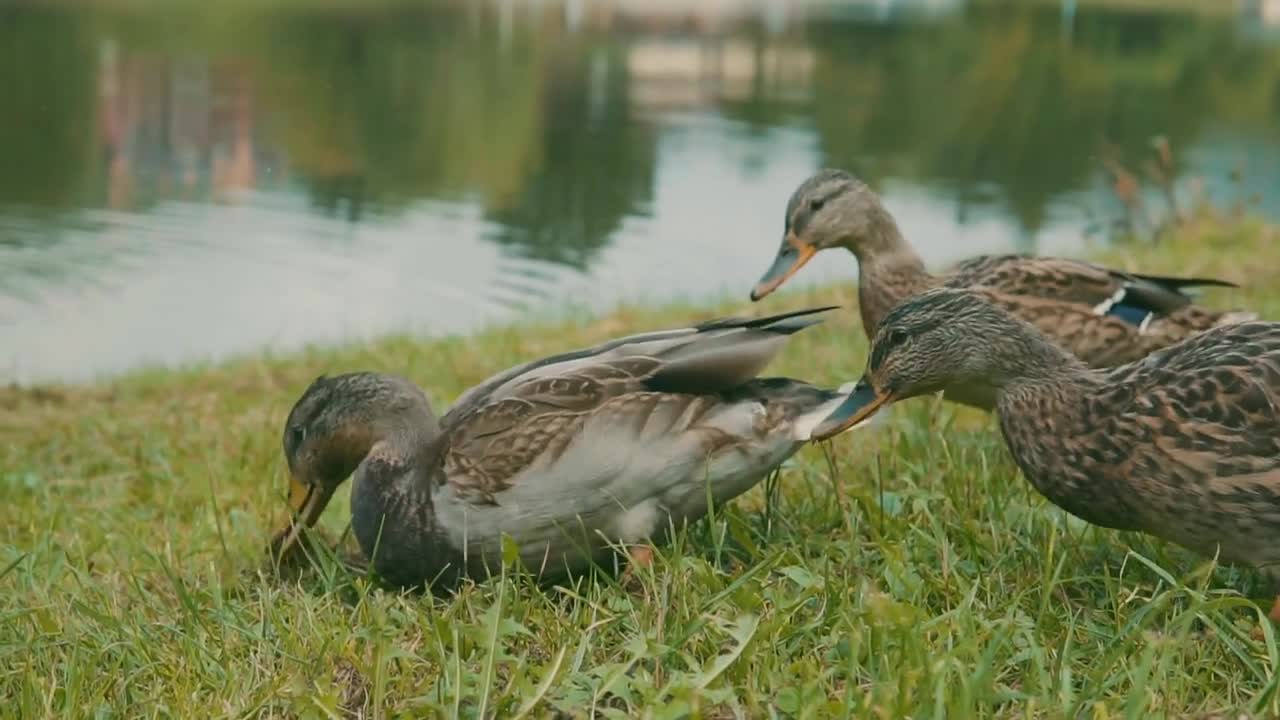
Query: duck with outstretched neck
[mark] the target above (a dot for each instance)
(1103, 316)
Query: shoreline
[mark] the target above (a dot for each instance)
(1193, 250)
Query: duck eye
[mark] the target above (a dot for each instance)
(880, 350)
(297, 434)
(816, 204)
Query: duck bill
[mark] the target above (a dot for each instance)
(861, 404)
(308, 502)
(792, 256)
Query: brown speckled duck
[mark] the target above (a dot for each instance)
(1183, 444)
(1106, 317)
(569, 456)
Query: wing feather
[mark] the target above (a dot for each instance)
(643, 385)
(1131, 297)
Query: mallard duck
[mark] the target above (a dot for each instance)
(1183, 444)
(1104, 316)
(570, 455)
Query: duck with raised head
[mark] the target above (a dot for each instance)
(1183, 444)
(1104, 316)
(570, 456)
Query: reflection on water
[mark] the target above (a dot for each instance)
(184, 182)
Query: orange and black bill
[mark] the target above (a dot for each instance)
(792, 256)
(861, 404)
(307, 502)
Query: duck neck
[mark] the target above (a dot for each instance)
(391, 500)
(889, 269)
(406, 440)
(403, 445)
(1046, 412)
(1027, 361)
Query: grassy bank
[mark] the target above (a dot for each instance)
(928, 579)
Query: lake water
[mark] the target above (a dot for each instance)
(185, 181)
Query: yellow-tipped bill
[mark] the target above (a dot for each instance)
(308, 503)
(792, 256)
(299, 493)
(861, 404)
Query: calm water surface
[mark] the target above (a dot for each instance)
(180, 183)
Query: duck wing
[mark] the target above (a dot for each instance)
(1203, 422)
(641, 386)
(1131, 297)
(1100, 340)
(722, 352)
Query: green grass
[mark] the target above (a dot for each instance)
(927, 580)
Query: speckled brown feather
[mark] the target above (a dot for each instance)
(1050, 278)
(1058, 296)
(492, 440)
(1101, 340)
(1184, 444)
(495, 441)
(490, 446)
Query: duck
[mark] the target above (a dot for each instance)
(1105, 316)
(1183, 444)
(571, 456)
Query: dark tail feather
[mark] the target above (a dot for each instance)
(1177, 283)
(785, 323)
(1159, 295)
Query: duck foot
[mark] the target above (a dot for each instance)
(638, 556)
(642, 556)
(1275, 610)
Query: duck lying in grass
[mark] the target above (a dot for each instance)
(1183, 444)
(569, 456)
(1104, 316)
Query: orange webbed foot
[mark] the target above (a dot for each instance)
(638, 556)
